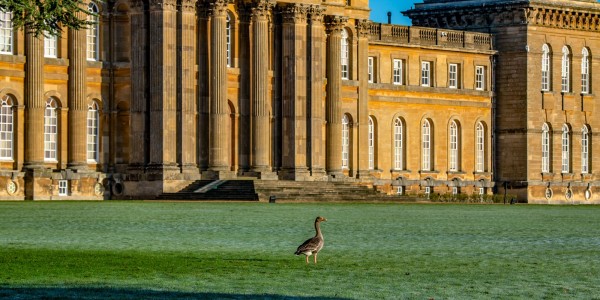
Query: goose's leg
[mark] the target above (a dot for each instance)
(316, 258)
(306, 259)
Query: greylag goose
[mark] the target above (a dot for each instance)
(314, 244)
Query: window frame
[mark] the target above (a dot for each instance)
(51, 130)
(7, 127)
(397, 71)
(426, 74)
(228, 35)
(480, 165)
(585, 150)
(63, 187)
(345, 54)
(7, 35)
(545, 148)
(453, 147)
(566, 149)
(585, 71)
(371, 142)
(398, 144)
(453, 74)
(546, 69)
(426, 145)
(565, 73)
(371, 69)
(50, 45)
(480, 78)
(93, 133)
(345, 141)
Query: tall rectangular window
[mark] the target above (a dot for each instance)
(545, 148)
(585, 72)
(92, 32)
(398, 145)
(585, 150)
(425, 73)
(6, 33)
(371, 68)
(92, 133)
(345, 141)
(565, 72)
(398, 66)
(6, 128)
(545, 68)
(50, 131)
(426, 146)
(371, 140)
(453, 147)
(453, 76)
(480, 78)
(50, 45)
(345, 55)
(566, 153)
(480, 148)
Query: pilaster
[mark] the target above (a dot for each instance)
(77, 126)
(34, 101)
(261, 123)
(316, 73)
(220, 133)
(334, 27)
(163, 86)
(139, 123)
(294, 92)
(187, 70)
(362, 27)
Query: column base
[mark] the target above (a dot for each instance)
(190, 169)
(218, 175)
(78, 167)
(297, 174)
(364, 174)
(319, 174)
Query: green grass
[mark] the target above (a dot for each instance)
(133, 250)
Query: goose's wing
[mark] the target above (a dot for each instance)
(309, 246)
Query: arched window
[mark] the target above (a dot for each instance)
(6, 128)
(566, 146)
(345, 58)
(6, 32)
(371, 140)
(565, 72)
(546, 68)
(479, 148)
(545, 148)
(50, 45)
(454, 146)
(585, 71)
(228, 39)
(345, 141)
(50, 130)
(585, 150)
(426, 146)
(92, 32)
(398, 144)
(92, 133)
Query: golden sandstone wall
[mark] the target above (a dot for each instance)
(176, 104)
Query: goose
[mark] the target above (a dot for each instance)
(314, 244)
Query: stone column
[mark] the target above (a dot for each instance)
(163, 86)
(187, 75)
(261, 129)
(294, 54)
(138, 109)
(316, 73)
(335, 25)
(77, 132)
(35, 103)
(203, 41)
(220, 134)
(363, 27)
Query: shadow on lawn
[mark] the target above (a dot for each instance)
(49, 293)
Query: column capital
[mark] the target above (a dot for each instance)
(188, 5)
(163, 5)
(262, 9)
(316, 13)
(293, 13)
(335, 24)
(363, 27)
(137, 6)
(217, 8)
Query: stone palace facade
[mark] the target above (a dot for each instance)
(160, 93)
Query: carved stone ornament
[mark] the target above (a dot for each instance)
(163, 5)
(588, 194)
(98, 189)
(218, 7)
(548, 194)
(363, 27)
(12, 187)
(335, 23)
(188, 5)
(293, 13)
(569, 194)
(262, 9)
(316, 13)
(137, 6)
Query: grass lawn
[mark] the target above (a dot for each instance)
(133, 250)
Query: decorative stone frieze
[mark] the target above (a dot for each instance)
(315, 13)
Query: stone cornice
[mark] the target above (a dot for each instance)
(509, 13)
(335, 23)
(293, 13)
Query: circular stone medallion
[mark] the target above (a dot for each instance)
(549, 193)
(12, 187)
(98, 189)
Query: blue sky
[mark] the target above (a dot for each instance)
(379, 9)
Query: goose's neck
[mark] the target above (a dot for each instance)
(318, 229)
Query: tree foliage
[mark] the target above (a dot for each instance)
(47, 16)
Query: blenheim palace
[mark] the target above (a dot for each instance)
(478, 97)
